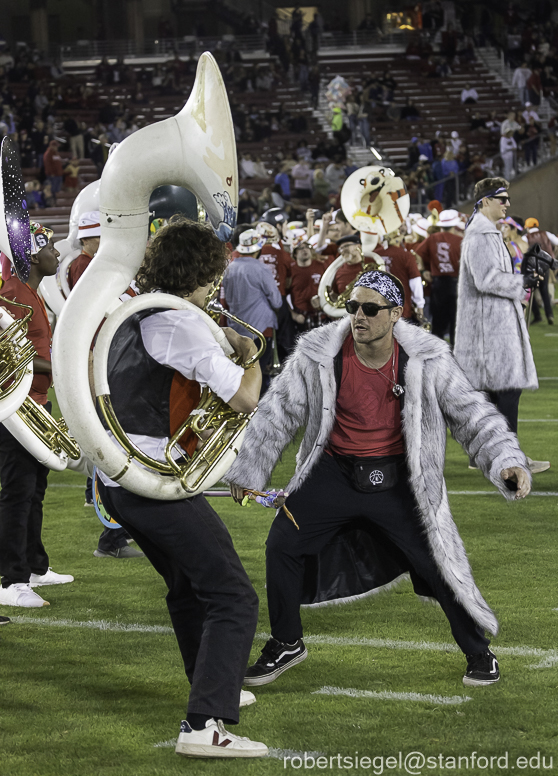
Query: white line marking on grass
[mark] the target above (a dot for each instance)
(277, 754)
(64, 485)
(548, 378)
(549, 657)
(497, 493)
(386, 695)
(551, 335)
(103, 625)
(537, 420)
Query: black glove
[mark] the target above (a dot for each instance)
(530, 281)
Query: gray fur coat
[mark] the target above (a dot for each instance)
(437, 395)
(491, 340)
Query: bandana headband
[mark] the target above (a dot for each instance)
(509, 220)
(488, 195)
(383, 284)
(40, 237)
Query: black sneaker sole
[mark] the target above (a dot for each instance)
(468, 681)
(257, 681)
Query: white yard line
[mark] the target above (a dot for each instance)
(547, 657)
(277, 754)
(385, 695)
(538, 420)
(548, 378)
(497, 493)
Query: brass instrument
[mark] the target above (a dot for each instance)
(52, 433)
(216, 425)
(16, 352)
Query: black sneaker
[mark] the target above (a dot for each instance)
(4, 620)
(276, 657)
(482, 669)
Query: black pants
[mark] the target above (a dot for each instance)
(211, 601)
(548, 309)
(443, 306)
(24, 483)
(508, 404)
(326, 502)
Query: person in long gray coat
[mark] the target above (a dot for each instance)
(491, 339)
(345, 375)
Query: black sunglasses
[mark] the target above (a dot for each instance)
(370, 309)
(503, 200)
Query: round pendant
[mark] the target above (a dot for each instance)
(398, 390)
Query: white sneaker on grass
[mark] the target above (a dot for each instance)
(536, 467)
(50, 578)
(247, 698)
(20, 594)
(215, 741)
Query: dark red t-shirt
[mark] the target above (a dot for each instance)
(367, 414)
(440, 254)
(78, 267)
(305, 282)
(403, 265)
(345, 275)
(278, 261)
(39, 332)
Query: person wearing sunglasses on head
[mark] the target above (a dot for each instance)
(492, 343)
(375, 396)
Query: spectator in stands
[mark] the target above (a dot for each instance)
(265, 201)
(247, 166)
(509, 124)
(508, 148)
(425, 149)
(450, 168)
(534, 86)
(351, 108)
(530, 113)
(71, 172)
(53, 167)
(283, 180)
(520, 77)
(368, 24)
(409, 111)
(335, 175)
(71, 127)
(247, 207)
(303, 178)
(455, 141)
(26, 149)
(413, 153)
(469, 95)
(320, 188)
(531, 142)
(302, 150)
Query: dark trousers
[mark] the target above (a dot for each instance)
(443, 306)
(24, 483)
(508, 404)
(548, 309)
(325, 503)
(211, 601)
(112, 539)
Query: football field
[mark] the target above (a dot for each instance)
(93, 685)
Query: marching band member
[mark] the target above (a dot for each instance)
(157, 364)
(362, 459)
(24, 562)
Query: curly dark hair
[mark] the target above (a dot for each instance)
(182, 256)
(482, 188)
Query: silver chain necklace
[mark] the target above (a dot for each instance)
(397, 389)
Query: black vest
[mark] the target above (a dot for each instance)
(139, 386)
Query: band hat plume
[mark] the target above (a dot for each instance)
(89, 225)
(383, 284)
(40, 237)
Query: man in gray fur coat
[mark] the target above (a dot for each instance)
(375, 395)
(491, 339)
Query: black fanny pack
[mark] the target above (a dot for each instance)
(372, 475)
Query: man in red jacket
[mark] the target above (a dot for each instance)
(54, 169)
(24, 563)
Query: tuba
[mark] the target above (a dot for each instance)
(375, 202)
(42, 436)
(196, 150)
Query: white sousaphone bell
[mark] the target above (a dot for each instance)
(375, 202)
(46, 439)
(196, 150)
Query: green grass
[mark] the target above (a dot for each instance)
(82, 701)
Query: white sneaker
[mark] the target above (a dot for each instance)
(536, 467)
(247, 698)
(20, 594)
(215, 741)
(50, 578)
